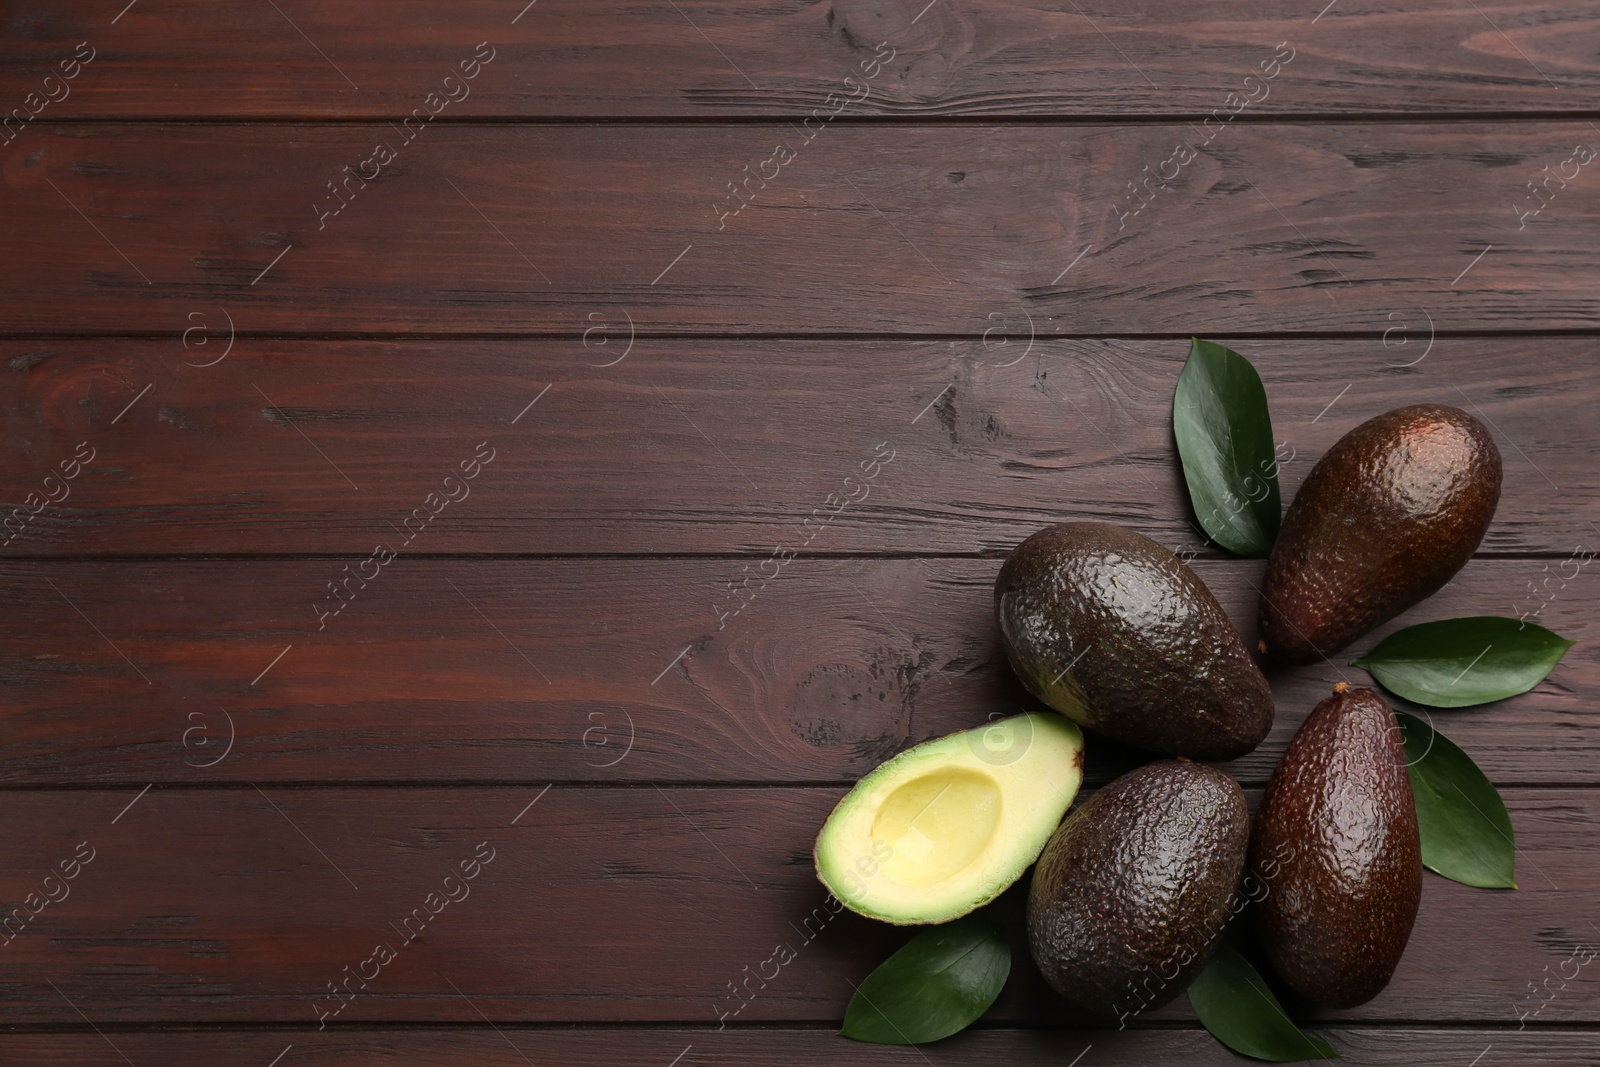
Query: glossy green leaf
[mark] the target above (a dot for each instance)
(1234, 1003)
(1224, 432)
(936, 985)
(1466, 833)
(1460, 662)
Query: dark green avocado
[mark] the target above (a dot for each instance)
(1336, 847)
(1389, 515)
(1117, 634)
(1132, 892)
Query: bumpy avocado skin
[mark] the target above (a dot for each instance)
(1391, 513)
(1336, 846)
(1132, 893)
(1119, 635)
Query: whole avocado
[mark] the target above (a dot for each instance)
(1336, 846)
(1391, 513)
(1132, 893)
(1116, 633)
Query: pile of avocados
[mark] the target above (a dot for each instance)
(1131, 893)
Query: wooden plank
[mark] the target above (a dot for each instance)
(758, 1047)
(186, 58)
(865, 230)
(717, 446)
(592, 905)
(610, 670)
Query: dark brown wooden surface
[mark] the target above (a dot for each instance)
(721, 446)
(614, 670)
(959, 274)
(600, 905)
(516, 1046)
(870, 229)
(782, 57)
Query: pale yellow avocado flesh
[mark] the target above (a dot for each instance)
(945, 827)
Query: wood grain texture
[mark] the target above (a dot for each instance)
(782, 57)
(614, 670)
(598, 905)
(764, 1047)
(587, 663)
(868, 229)
(718, 446)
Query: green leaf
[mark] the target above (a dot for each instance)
(1460, 662)
(1234, 1003)
(936, 985)
(1466, 833)
(1224, 432)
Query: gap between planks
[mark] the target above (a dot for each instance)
(985, 119)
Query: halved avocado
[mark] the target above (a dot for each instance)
(945, 827)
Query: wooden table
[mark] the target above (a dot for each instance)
(497, 476)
